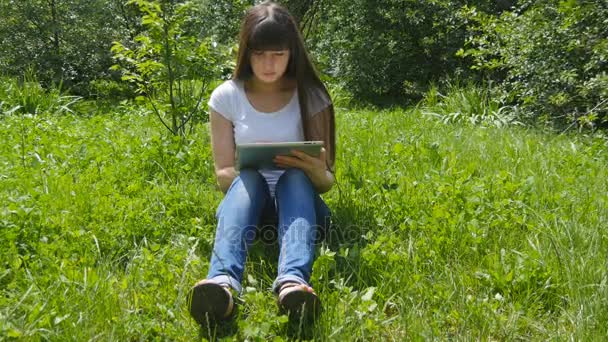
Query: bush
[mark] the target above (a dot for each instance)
(104, 89)
(65, 41)
(169, 65)
(389, 49)
(550, 57)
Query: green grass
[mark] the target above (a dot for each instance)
(440, 231)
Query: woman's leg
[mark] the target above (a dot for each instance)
(238, 215)
(295, 198)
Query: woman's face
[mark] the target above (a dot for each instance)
(269, 65)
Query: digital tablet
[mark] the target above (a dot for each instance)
(261, 155)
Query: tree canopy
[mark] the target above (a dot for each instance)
(548, 59)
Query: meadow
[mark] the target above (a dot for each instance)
(441, 230)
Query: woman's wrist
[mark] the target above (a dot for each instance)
(324, 183)
(225, 176)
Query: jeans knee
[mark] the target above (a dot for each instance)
(294, 176)
(294, 172)
(250, 175)
(251, 180)
(247, 188)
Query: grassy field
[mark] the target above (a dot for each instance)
(441, 231)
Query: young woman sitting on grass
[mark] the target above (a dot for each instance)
(275, 95)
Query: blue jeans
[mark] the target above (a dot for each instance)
(300, 211)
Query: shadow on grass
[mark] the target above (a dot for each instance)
(349, 229)
(215, 331)
(299, 330)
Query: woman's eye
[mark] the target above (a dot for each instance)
(258, 53)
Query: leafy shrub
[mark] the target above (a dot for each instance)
(340, 96)
(104, 89)
(389, 49)
(65, 41)
(169, 64)
(550, 57)
(221, 19)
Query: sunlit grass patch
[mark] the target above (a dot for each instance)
(439, 231)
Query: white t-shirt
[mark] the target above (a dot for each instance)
(250, 126)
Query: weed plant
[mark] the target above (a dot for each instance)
(27, 96)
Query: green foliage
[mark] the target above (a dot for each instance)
(29, 97)
(545, 60)
(468, 104)
(389, 49)
(65, 41)
(221, 19)
(550, 58)
(110, 90)
(170, 64)
(340, 96)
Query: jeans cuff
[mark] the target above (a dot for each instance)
(287, 278)
(228, 280)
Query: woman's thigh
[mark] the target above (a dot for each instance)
(248, 192)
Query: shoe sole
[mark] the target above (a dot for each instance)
(296, 303)
(208, 302)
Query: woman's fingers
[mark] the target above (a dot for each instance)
(301, 155)
(283, 161)
(309, 158)
(301, 160)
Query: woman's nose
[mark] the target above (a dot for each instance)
(268, 61)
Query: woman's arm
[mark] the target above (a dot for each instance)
(315, 168)
(320, 130)
(222, 144)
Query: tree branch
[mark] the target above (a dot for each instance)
(157, 112)
(198, 104)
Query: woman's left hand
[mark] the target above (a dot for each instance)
(315, 168)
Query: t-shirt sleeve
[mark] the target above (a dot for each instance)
(317, 101)
(221, 102)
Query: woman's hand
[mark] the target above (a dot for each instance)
(315, 168)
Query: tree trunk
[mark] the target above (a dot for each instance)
(171, 80)
(56, 47)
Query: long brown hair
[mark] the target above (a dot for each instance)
(269, 26)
